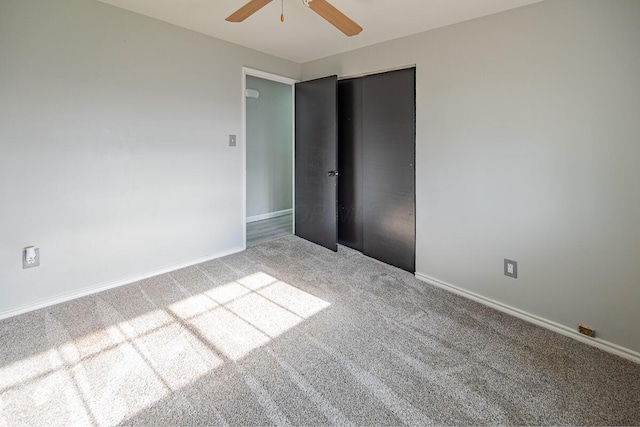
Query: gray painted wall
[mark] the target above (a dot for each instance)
(528, 137)
(269, 147)
(114, 157)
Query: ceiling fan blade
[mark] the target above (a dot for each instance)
(247, 10)
(335, 17)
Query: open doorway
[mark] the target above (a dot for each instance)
(268, 156)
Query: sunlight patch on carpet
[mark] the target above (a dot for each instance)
(110, 374)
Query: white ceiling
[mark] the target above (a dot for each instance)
(305, 36)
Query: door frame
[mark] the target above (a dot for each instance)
(280, 79)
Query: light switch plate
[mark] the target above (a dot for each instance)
(25, 264)
(232, 140)
(511, 268)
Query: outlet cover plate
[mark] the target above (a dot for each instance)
(511, 268)
(35, 264)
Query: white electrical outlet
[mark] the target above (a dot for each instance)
(30, 257)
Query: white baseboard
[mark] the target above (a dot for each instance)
(536, 320)
(110, 285)
(269, 215)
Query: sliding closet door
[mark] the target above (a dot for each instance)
(316, 161)
(350, 163)
(388, 111)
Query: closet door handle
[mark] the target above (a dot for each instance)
(332, 173)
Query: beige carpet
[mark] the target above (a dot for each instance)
(289, 333)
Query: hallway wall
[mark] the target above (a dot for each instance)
(269, 147)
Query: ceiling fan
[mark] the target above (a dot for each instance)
(321, 7)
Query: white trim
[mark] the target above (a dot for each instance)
(269, 76)
(243, 145)
(106, 286)
(280, 79)
(269, 215)
(536, 320)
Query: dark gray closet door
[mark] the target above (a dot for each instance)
(350, 163)
(388, 102)
(316, 161)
